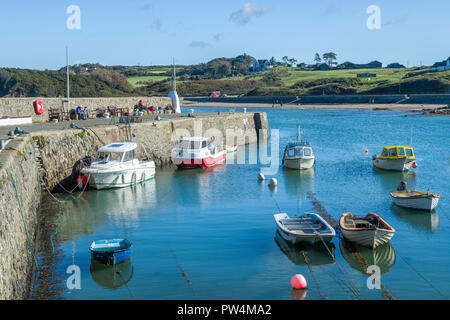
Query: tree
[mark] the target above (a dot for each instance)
(273, 61)
(292, 62)
(317, 58)
(285, 60)
(329, 57)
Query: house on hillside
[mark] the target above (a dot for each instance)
(261, 65)
(441, 66)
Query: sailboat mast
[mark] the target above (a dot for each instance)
(298, 132)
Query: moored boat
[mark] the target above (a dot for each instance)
(414, 199)
(310, 228)
(369, 231)
(298, 154)
(111, 251)
(396, 158)
(196, 152)
(117, 166)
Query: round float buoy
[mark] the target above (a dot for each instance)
(366, 151)
(273, 182)
(261, 177)
(298, 282)
(38, 107)
(414, 165)
(81, 182)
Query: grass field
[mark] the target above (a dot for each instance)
(134, 81)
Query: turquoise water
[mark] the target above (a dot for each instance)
(210, 234)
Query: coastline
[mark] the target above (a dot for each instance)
(367, 106)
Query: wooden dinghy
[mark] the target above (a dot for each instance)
(310, 228)
(369, 231)
(414, 199)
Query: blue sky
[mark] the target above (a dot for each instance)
(132, 32)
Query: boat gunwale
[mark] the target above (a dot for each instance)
(111, 252)
(344, 215)
(331, 231)
(417, 196)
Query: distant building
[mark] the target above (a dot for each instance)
(261, 65)
(441, 66)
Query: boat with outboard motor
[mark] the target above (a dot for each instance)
(196, 152)
(298, 154)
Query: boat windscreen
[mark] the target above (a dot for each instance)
(188, 144)
(109, 156)
(307, 151)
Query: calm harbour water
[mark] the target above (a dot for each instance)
(210, 234)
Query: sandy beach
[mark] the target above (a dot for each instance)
(411, 107)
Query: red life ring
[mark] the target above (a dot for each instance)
(38, 107)
(81, 182)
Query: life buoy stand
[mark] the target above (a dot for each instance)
(38, 107)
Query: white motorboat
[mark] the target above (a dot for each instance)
(298, 154)
(310, 227)
(195, 152)
(369, 231)
(414, 199)
(116, 166)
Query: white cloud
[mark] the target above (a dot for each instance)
(249, 10)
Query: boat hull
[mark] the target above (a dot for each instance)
(368, 238)
(111, 258)
(185, 163)
(299, 163)
(120, 178)
(401, 164)
(426, 203)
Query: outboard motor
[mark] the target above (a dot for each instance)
(402, 186)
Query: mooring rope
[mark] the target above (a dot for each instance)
(420, 275)
(312, 273)
(354, 288)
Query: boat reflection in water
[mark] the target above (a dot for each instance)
(111, 276)
(418, 219)
(298, 183)
(390, 179)
(359, 257)
(316, 254)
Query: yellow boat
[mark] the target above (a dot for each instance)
(397, 158)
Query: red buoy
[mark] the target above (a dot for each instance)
(414, 165)
(365, 150)
(38, 107)
(81, 182)
(298, 281)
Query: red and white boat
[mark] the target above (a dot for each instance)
(196, 152)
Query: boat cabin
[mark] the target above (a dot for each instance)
(193, 143)
(118, 152)
(296, 150)
(397, 152)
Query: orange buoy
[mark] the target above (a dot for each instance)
(38, 107)
(366, 151)
(414, 165)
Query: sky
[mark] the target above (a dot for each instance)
(34, 34)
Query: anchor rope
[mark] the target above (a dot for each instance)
(312, 274)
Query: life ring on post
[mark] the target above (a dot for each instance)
(81, 182)
(38, 107)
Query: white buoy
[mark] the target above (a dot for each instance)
(273, 182)
(261, 177)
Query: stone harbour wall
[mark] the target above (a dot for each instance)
(16, 258)
(60, 150)
(15, 107)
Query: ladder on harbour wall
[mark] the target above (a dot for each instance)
(40, 167)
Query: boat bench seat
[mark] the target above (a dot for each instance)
(304, 227)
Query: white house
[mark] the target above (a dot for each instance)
(261, 65)
(441, 66)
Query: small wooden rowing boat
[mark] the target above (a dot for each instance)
(415, 199)
(369, 231)
(112, 251)
(310, 227)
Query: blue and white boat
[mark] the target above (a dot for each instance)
(298, 154)
(113, 251)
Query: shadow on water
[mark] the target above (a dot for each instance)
(360, 258)
(304, 254)
(391, 179)
(111, 277)
(417, 218)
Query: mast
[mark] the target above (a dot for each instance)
(174, 81)
(67, 71)
(298, 132)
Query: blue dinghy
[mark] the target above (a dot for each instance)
(111, 251)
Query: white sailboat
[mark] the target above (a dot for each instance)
(173, 94)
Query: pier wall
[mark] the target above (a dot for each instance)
(16, 258)
(15, 107)
(59, 150)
